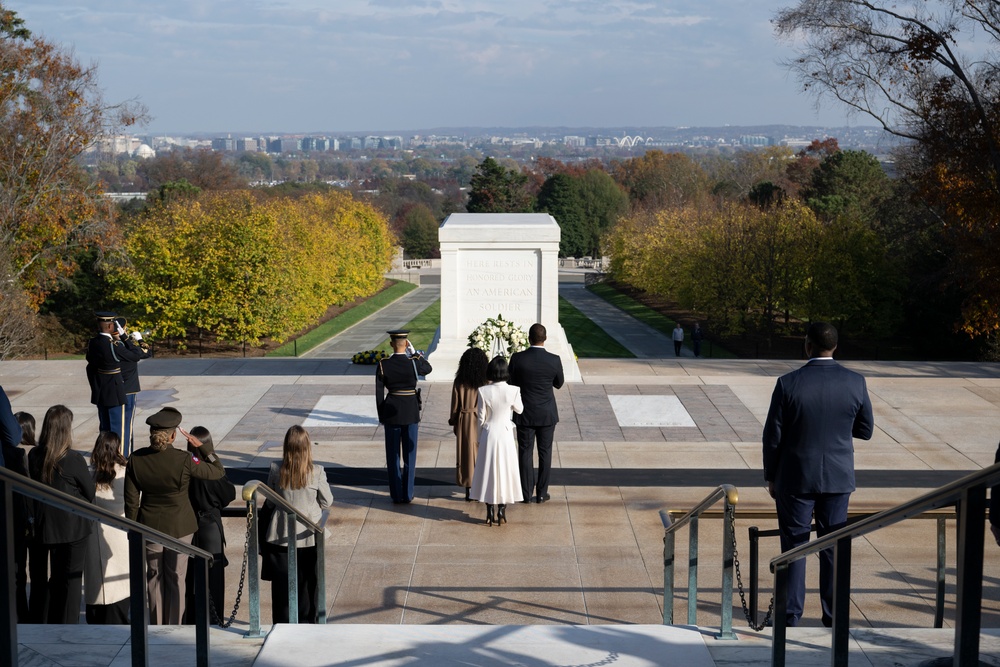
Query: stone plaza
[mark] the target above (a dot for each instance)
(429, 583)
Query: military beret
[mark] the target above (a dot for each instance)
(165, 418)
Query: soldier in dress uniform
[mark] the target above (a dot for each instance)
(104, 372)
(129, 349)
(157, 479)
(397, 400)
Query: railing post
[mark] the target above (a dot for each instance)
(692, 616)
(941, 563)
(138, 606)
(969, 584)
(291, 530)
(8, 610)
(726, 609)
(668, 575)
(841, 602)
(321, 577)
(754, 540)
(201, 619)
(780, 613)
(253, 569)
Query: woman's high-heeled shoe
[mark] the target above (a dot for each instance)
(501, 514)
(489, 515)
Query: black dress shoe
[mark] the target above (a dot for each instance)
(827, 621)
(544, 498)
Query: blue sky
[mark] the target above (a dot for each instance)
(397, 65)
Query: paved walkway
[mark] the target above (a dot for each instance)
(370, 332)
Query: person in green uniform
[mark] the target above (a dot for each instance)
(157, 479)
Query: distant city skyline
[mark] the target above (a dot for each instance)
(308, 66)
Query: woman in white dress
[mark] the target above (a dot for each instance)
(496, 480)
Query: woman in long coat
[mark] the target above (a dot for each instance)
(105, 579)
(497, 479)
(470, 376)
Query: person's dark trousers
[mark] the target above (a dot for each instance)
(795, 516)
(128, 416)
(111, 419)
(38, 574)
(308, 584)
(677, 348)
(115, 613)
(400, 460)
(527, 438)
(21, 575)
(66, 581)
(697, 348)
(210, 539)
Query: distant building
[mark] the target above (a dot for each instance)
(143, 152)
(224, 144)
(320, 144)
(755, 140)
(578, 142)
(372, 143)
(307, 143)
(391, 143)
(290, 144)
(274, 144)
(246, 145)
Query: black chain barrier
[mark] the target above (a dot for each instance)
(752, 622)
(216, 619)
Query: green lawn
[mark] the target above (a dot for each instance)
(422, 328)
(658, 321)
(589, 341)
(341, 322)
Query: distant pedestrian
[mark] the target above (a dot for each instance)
(696, 335)
(678, 339)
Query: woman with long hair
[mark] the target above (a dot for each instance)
(470, 376)
(106, 585)
(497, 479)
(208, 498)
(303, 485)
(62, 535)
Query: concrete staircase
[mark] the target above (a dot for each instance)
(372, 645)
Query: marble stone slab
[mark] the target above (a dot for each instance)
(654, 411)
(342, 411)
(484, 646)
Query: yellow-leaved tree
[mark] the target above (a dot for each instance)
(246, 267)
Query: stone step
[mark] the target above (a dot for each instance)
(374, 645)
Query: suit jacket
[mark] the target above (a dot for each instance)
(10, 430)
(71, 476)
(815, 412)
(157, 487)
(537, 372)
(129, 353)
(395, 389)
(104, 372)
(311, 500)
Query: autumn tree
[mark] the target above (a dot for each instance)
(926, 71)
(51, 110)
(420, 232)
(658, 180)
(496, 189)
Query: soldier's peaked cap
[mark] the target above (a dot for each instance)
(398, 333)
(105, 315)
(164, 419)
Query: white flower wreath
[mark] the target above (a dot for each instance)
(499, 336)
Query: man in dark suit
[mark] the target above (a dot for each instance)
(104, 372)
(130, 350)
(809, 456)
(537, 372)
(397, 401)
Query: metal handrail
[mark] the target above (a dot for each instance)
(670, 527)
(292, 516)
(138, 534)
(968, 495)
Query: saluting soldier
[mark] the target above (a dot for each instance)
(130, 350)
(397, 401)
(104, 372)
(157, 479)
